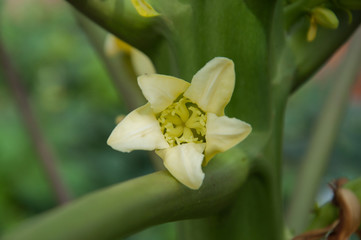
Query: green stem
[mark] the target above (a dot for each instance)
(324, 137)
(121, 19)
(128, 207)
(240, 220)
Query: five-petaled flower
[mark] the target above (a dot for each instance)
(184, 123)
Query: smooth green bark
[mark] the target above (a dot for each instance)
(121, 18)
(126, 208)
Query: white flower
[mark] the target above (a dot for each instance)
(184, 122)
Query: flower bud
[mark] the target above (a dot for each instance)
(325, 17)
(312, 30)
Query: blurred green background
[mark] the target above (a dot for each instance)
(75, 104)
(303, 110)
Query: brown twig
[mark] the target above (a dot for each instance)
(46, 156)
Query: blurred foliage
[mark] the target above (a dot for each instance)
(76, 106)
(74, 103)
(302, 112)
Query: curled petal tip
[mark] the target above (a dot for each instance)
(184, 162)
(161, 90)
(138, 130)
(212, 86)
(223, 133)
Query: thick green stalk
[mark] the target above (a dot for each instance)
(120, 18)
(251, 35)
(128, 207)
(252, 215)
(324, 137)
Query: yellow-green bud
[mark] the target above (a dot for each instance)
(312, 30)
(325, 17)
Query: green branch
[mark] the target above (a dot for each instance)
(121, 19)
(134, 205)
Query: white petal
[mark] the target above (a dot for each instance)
(138, 130)
(110, 47)
(161, 90)
(141, 62)
(113, 46)
(223, 133)
(213, 85)
(184, 162)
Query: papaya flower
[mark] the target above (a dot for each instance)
(184, 123)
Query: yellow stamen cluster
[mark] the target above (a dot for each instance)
(183, 122)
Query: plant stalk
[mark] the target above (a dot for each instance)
(123, 209)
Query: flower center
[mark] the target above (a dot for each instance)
(183, 122)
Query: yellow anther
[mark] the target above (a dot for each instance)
(182, 110)
(195, 125)
(183, 122)
(175, 119)
(175, 131)
(187, 133)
